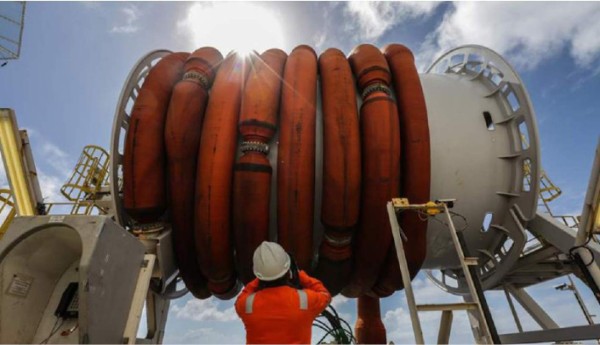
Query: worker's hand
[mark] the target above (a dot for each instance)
(252, 286)
(305, 279)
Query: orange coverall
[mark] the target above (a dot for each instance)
(282, 314)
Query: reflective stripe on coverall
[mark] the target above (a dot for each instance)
(281, 315)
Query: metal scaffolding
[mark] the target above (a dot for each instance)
(12, 20)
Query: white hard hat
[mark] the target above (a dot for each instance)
(271, 261)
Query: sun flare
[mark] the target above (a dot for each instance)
(233, 26)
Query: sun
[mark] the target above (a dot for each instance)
(227, 26)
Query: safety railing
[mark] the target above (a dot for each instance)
(7, 210)
(89, 175)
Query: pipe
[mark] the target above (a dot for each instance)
(214, 179)
(182, 138)
(296, 156)
(144, 180)
(252, 172)
(380, 152)
(341, 170)
(415, 166)
(369, 328)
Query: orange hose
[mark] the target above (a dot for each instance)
(416, 165)
(369, 328)
(341, 170)
(367, 161)
(380, 147)
(144, 179)
(182, 137)
(252, 172)
(296, 156)
(214, 178)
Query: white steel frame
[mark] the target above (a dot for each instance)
(129, 93)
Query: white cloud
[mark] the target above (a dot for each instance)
(376, 18)
(50, 186)
(320, 40)
(228, 26)
(56, 158)
(338, 301)
(204, 310)
(130, 15)
(527, 33)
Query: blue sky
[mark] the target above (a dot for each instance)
(75, 57)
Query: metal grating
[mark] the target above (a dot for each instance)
(12, 17)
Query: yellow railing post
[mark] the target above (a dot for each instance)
(12, 155)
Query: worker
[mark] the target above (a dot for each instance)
(272, 309)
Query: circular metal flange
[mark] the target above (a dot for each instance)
(473, 63)
(129, 93)
(171, 292)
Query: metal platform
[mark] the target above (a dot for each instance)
(12, 20)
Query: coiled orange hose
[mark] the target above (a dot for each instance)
(380, 152)
(341, 170)
(214, 178)
(296, 156)
(416, 165)
(144, 173)
(182, 137)
(252, 172)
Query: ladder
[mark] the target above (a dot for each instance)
(479, 315)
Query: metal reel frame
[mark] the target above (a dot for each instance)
(129, 93)
(127, 98)
(480, 64)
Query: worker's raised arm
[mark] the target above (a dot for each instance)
(249, 289)
(318, 295)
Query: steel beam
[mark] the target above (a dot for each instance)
(446, 306)
(11, 146)
(535, 257)
(530, 305)
(139, 299)
(553, 335)
(445, 327)
(557, 234)
(513, 310)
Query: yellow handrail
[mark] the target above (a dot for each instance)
(7, 210)
(89, 175)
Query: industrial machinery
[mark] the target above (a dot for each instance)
(12, 15)
(475, 139)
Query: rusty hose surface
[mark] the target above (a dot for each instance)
(214, 178)
(182, 137)
(252, 172)
(380, 152)
(340, 203)
(144, 178)
(416, 165)
(296, 156)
